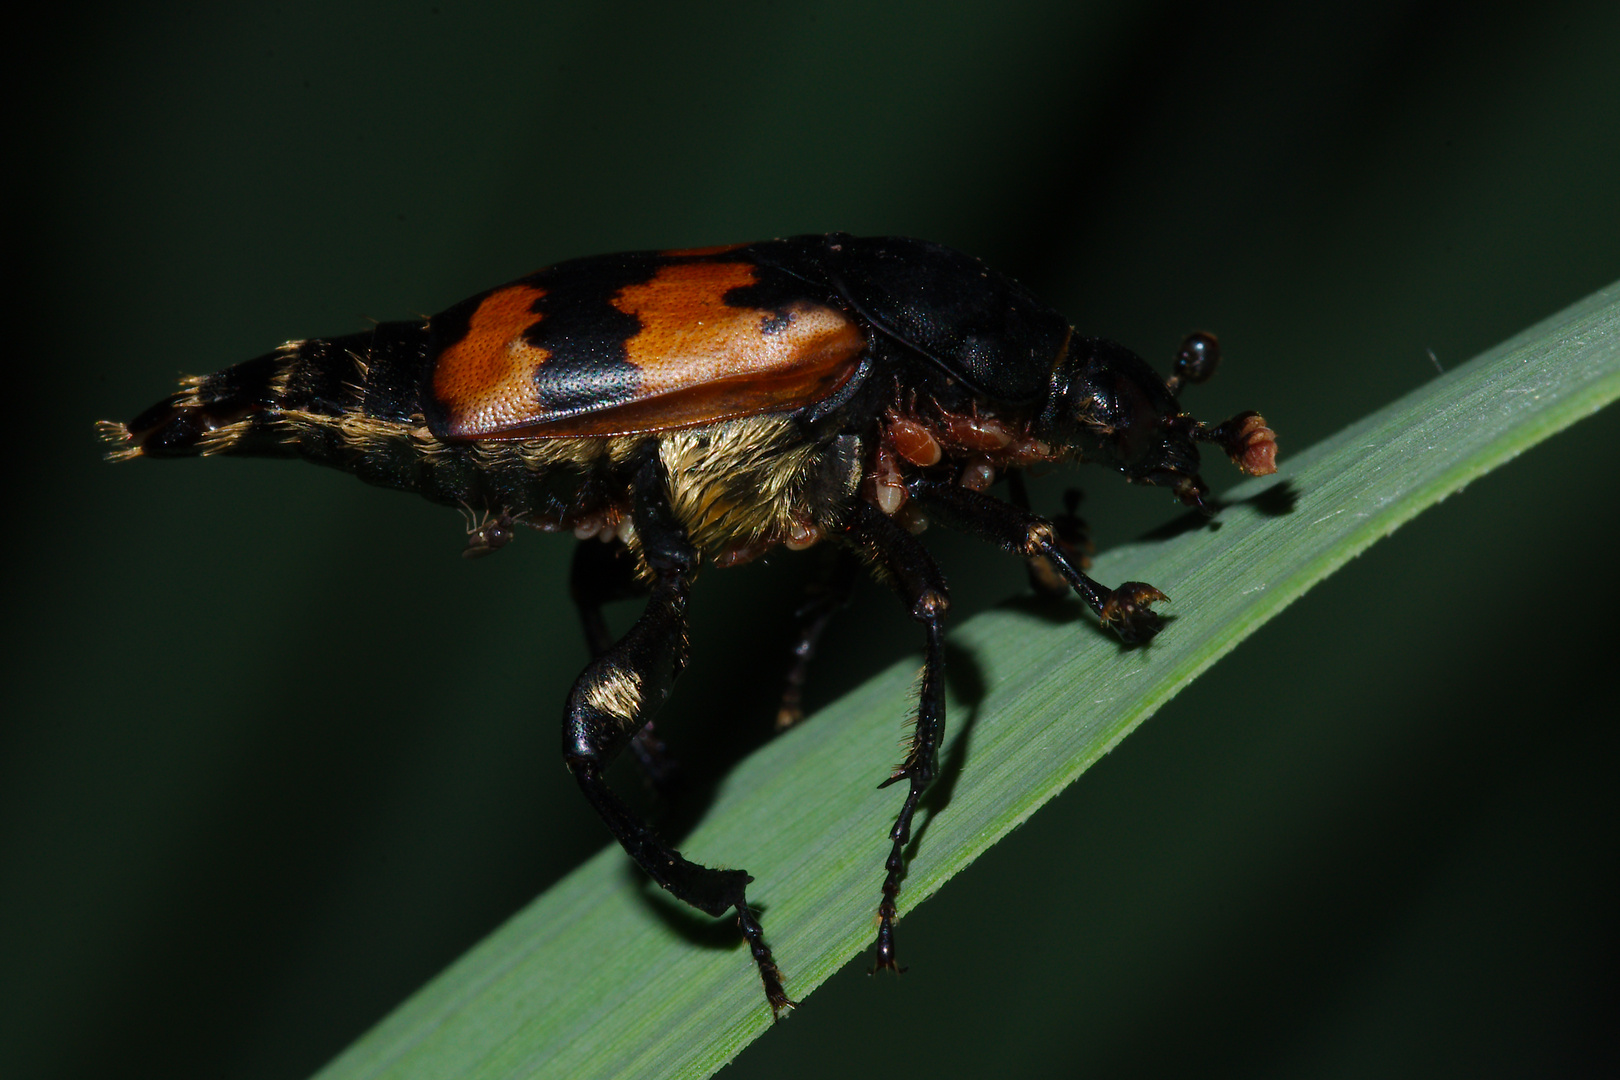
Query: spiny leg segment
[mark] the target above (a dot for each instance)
(899, 557)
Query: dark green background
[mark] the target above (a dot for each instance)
(273, 755)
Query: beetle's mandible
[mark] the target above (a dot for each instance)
(676, 409)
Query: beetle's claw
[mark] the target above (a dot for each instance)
(885, 959)
(1128, 612)
(1191, 491)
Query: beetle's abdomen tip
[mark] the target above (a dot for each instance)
(121, 446)
(177, 426)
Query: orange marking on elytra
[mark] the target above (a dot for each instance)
(699, 360)
(486, 380)
(691, 338)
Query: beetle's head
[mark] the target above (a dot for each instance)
(1108, 405)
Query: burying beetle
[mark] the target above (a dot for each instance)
(705, 406)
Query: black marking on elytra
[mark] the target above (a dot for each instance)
(776, 289)
(587, 368)
(976, 323)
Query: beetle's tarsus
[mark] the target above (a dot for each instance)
(1128, 612)
(769, 975)
(888, 912)
(884, 960)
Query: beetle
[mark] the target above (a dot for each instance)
(676, 409)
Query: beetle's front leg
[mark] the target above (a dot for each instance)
(621, 690)
(901, 558)
(1072, 535)
(1126, 610)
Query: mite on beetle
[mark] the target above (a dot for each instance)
(678, 408)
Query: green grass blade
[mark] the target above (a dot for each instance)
(605, 976)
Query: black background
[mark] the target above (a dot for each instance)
(273, 755)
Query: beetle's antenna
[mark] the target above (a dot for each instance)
(1247, 440)
(1199, 356)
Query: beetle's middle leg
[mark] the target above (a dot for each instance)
(601, 573)
(621, 689)
(827, 594)
(898, 556)
(1126, 610)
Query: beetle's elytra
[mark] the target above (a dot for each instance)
(704, 406)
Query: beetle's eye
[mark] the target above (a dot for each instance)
(1135, 421)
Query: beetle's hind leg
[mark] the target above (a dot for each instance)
(621, 689)
(900, 558)
(602, 573)
(1127, 610)
(827, 594)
